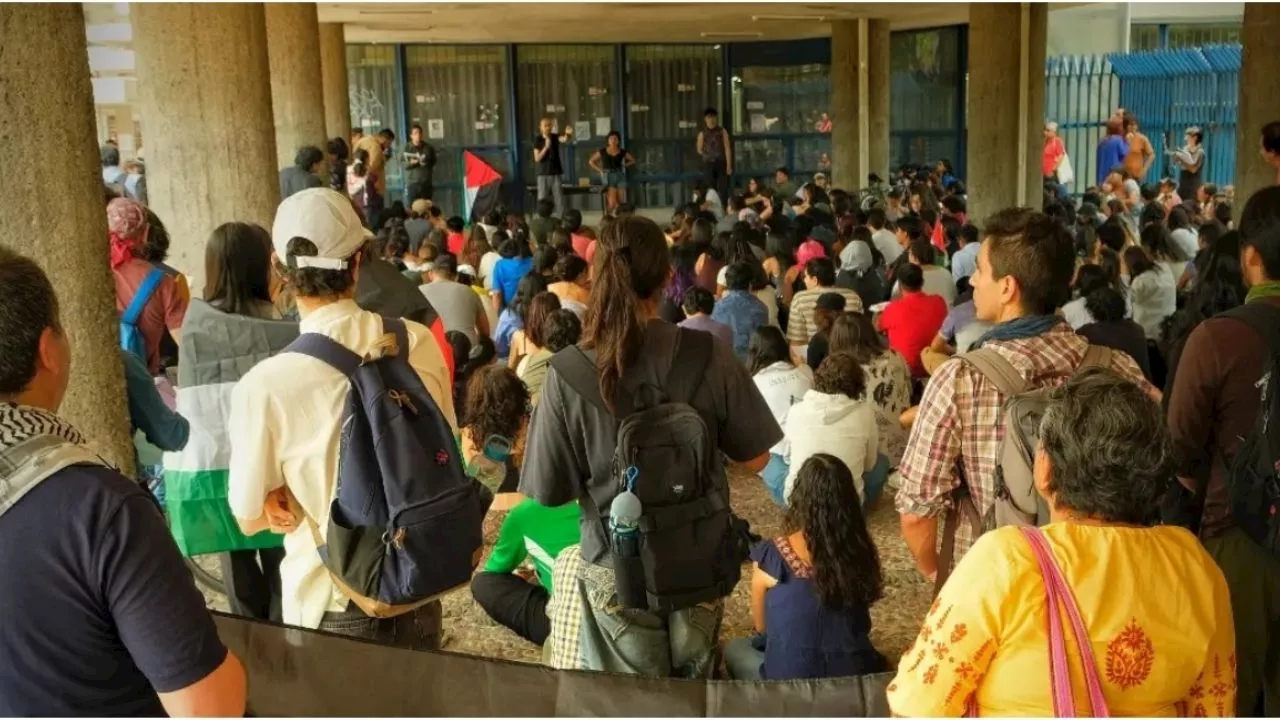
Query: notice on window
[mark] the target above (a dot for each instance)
(552, 108)
(582, 130)
(685, 87)
(759, 123)
(435, 128)
(603, 126)
(686, 124)
(755, 105)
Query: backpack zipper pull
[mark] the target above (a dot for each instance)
(403, 400)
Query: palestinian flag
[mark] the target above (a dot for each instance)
(217, 349)
(483, 185)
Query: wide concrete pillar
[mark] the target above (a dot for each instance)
(205, 101)
(57, 216)
(297, 91)
(333, 73)
(1259, 97)
(859, 101)
(1006, 106)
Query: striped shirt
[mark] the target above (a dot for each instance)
(800, 327)
(956, 437)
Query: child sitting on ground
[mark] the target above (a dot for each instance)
(493, 432)
(812, 589)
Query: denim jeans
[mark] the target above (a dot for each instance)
(774, 476)
(419, 629)
(638, 642)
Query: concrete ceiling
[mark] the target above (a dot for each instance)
(679, 22)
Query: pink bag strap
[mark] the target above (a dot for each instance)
(1058, 596)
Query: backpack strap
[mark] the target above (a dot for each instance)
(396, 327)
(692, 356)
(143, 296)
(580, 373)
(1263, 318)
(326, 350)
(995, 368)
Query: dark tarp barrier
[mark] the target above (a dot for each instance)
(294, 672)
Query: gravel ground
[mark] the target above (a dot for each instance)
(895, 619)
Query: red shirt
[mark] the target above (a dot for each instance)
(164, 311)
(911, 322)
(1053, 150)
(455, 242)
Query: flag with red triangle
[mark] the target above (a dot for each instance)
(483, 186)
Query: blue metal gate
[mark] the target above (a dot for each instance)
(1168, 91)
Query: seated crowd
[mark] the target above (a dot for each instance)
(596, 384)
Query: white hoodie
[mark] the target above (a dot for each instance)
(835, 425)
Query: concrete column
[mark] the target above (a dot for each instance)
(859, 101)
(58, 217)
(1259, 98)
(1006, 106)
(333, 72)
(205, 100)
(297, 92)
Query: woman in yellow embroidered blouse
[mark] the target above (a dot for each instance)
(1154, 604)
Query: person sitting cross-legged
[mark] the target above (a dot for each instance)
(811, 589)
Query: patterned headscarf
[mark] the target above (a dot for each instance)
(126, 227)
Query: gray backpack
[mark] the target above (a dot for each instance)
(664, 454)
(1016, 499)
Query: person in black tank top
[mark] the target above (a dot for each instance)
(716, 153)
(612, 161)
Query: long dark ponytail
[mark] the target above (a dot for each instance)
(825, 506)
(631, 266)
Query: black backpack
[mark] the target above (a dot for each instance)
(689, 545)
(1254, 480)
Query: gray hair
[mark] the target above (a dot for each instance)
(1109, 448)
(1051, 126)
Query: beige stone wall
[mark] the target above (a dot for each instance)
(297, 93)
(333, 72)
(205, 97)
(56, 215)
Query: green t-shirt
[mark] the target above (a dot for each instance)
(536, 531)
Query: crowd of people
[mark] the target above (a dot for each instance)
(1090, 368)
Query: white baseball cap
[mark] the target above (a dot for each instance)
(328, 220)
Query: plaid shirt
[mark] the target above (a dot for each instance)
(565, 611)
(957, 434)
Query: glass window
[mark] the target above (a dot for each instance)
(787, 99)
(1201, 34)
(669, 88)
(1144, 37)
(572, 84)
(459, 93)
(375, 100)
(927, 87)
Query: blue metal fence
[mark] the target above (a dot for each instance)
(1168, 91)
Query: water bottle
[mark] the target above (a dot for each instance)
(490, 466)
(625, 539)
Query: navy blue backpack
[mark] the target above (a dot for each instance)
(405, 521)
